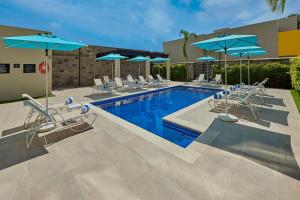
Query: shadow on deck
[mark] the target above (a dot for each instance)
(271, 149)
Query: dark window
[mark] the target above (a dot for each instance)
(4, 68)
(29, 68)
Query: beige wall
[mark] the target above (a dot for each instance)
(13, 84)
(267, 33)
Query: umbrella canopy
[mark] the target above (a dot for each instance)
(225, 42)
(41, 41)
(45, 42)
(206, 58)
(251, 53)
(241, 49)
(112, 56)
(248, 54)
(159, 59)
(139, 59)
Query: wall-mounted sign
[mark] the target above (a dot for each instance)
(16, 65)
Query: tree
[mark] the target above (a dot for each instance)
(277, 5)
(186, 36)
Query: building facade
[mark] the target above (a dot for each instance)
(19, 68)
(79, 68)
(279, 37)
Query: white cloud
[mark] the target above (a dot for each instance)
(143, 23)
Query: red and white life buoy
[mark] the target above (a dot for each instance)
(42, 67)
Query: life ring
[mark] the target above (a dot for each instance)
(42, 67)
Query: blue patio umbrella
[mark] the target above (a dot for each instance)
(159, 60)
(45, 42)
(206, 59)
(248, 54)
(225, 42)
(139, 59)
(240, 51)
(111, 57)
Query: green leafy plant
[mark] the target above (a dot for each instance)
(277, 5)
(295, 73)
(178, 71)
(186, 36)
(278, 74)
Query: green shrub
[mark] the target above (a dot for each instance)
(159, 69)
(277, 73)
(295, 73)
(178, 71)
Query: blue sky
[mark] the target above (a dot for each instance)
(136, 24)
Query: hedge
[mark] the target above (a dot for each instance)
(178, 71)
(278, 74)
(295, 73)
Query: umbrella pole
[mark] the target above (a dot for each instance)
(46, 66)
(226, 82)
(139, 68)
(248, 71)
(241, 79)
(225, 116)
(112, 70)
(207, 71)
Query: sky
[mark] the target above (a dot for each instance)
(135, 24)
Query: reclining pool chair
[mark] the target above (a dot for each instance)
(57, 121)
(100, 88)
(200, 79)
(218, 102)
(52, 109)
(160, 79)
(217, 80)
(153, 81)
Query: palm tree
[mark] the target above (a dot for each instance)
(277, 5)
(186, 36)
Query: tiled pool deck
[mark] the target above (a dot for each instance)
(116, 160)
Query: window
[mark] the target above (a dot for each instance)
(4, 68)
(29, 68)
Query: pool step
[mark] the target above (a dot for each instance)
(191, 133)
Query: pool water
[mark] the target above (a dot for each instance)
(146, 110)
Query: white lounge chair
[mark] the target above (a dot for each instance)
(121, 87)
(134, 83)
(152, 80)
(217, 80)
(58, 121)
(160, 79)
(67, 106)
(218, 102)
(100, 88)
(200, 79)
(145, 83)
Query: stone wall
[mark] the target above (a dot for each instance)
(66, 66)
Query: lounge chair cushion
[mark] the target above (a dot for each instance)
(218, 95)
(232, 88)
(69, 100)
(226, 92)
(85, 109)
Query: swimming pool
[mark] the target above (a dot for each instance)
(147, 109)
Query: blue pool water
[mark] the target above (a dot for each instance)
(147, 110)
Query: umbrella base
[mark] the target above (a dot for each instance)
(46, 127)
(227, 117)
